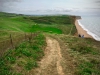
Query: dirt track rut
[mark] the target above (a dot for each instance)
(51, 62)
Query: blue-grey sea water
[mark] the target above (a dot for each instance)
(91, 25)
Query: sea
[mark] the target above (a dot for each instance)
(92, 25)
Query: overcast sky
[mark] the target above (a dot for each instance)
(78, 7)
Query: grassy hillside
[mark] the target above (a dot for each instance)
(51, 19)
(84, 53)
(25, 23)
(12, 23)
(80, 56)
(24, 57)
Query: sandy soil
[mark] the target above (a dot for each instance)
(81, 31)
(50, 64)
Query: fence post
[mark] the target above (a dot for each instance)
(31, 35)
(25, 36)
(11, 41)
(3, 49)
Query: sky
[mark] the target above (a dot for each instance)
(36, 7)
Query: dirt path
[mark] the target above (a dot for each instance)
(50, 64)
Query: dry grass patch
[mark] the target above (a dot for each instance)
(86, 52)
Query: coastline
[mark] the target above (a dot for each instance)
(81, 31)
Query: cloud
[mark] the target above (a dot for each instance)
(93, 8)
(9, 1)
(4, 4)
(59, 10)
(47, 6)
(54, 10)
(97, 1)
(50, 10)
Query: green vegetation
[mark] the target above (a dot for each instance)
(86, 52)
(51, 19)
(67, 30)
(49, 29)
(17, 24)
(25, 23)
(24, 57)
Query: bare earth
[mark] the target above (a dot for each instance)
(81, 31)
(50, 64)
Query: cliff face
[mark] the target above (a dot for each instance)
(73, 20)
(78, 17)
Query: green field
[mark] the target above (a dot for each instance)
(31, 24)
(12, 23)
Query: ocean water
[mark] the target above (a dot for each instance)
(91, 25)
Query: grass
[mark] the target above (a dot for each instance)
(9, 25)
(86, 53)
(23, 58)
(18, 24)
(50, 19)
(23, 24)
(67, 29)
(48, 29)
(88, 68)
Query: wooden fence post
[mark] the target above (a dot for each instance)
(31, 35)
(11, 41)
(25, 37)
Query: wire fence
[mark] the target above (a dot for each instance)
(12, 41)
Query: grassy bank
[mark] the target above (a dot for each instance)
(86, 54)
(80, 56)
(24, 57)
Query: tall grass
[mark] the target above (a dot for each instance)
(86, 53)
(24, 57)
